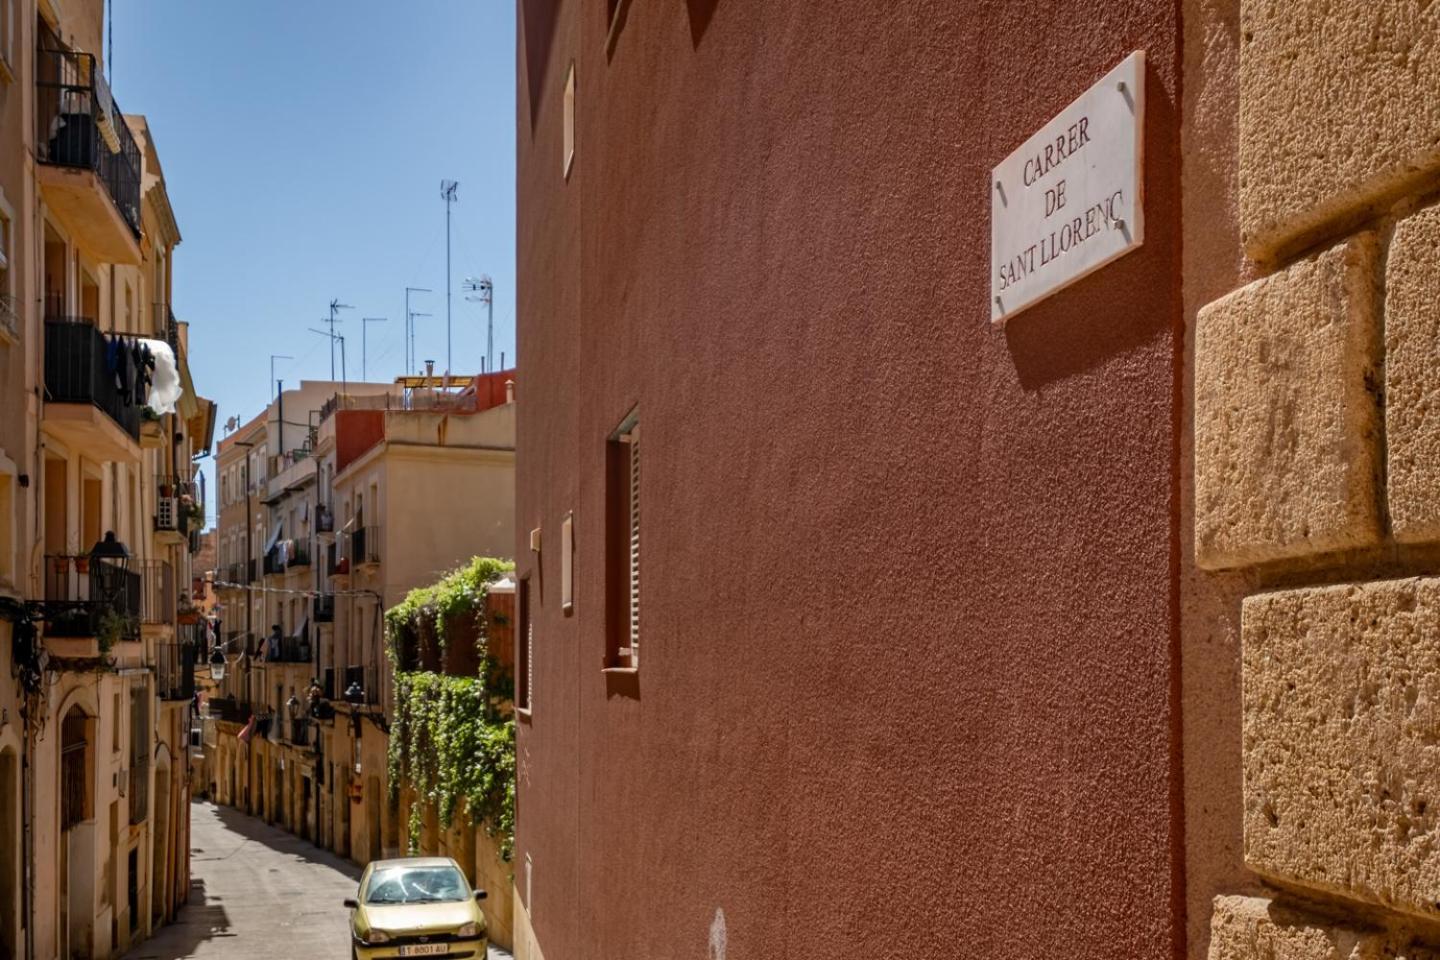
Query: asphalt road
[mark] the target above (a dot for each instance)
(258, 892)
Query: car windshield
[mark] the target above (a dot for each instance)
(416, 885)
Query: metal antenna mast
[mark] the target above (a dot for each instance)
(483, 291)
(335, 305)
(364, 328)
(273, 358)
(447, 193)
(333, 337)
(410, 328)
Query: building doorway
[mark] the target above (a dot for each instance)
(9, 855)
(159, 887)
(77, 823)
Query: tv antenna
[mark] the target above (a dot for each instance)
(410, 316)
(335, 306)
(447, 193)
(483, 291)
(334, 337)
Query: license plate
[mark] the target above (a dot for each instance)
(425, 950)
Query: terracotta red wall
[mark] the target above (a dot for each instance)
(355, 432)
(909, 583)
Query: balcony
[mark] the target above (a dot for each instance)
(364, 546)
(294, 649)
(324, 520)
(89, 163)
(300, 731)
(286, 555)
(367, 678)
(84, 407)
(229, 710)
(87, 598)
(325, 608)
(175, 671)
(177, 508)
(157, 591)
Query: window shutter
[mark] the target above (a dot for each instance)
(635, 542)
(530, 663)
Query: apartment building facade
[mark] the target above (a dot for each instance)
(392, 488)
(100, 505)
(1097, 631)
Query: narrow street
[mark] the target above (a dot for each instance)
(258, 891)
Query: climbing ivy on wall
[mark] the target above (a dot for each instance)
(438, 607)
(452, 739)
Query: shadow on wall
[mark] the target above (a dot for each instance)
(537, 24)
(1126, 303)
(700, 13)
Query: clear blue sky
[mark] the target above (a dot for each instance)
(303, 145)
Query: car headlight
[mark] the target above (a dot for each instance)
(377, 936)
(471, 929)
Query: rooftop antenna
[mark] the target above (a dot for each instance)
(335, 305)
(364, 327)
(410, 316)
(273, 358)
(447, 193)
(483, 291)
(333, 337)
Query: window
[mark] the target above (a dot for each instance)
(9, 309)
(567, 564)
(622, 549)
(569, 154)
(525, 672)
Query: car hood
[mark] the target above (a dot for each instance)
(419, 918)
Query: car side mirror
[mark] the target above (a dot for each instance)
(351, 904)
(481, 894)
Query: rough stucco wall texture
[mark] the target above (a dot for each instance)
(910, 582)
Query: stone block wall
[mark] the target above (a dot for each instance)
(1317, 477)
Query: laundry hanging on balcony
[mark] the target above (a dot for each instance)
(108, 114)
(165, 391)
(130, 363)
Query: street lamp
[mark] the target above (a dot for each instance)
(109, 564)
(217, 665)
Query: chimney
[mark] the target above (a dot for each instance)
(509, 391)
(429, 368)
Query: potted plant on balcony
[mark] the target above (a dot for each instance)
(112, 627)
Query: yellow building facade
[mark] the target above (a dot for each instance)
(100, 508)
(391, 489)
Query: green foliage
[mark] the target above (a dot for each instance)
(111, 628)
(459, 593)
(452, 739)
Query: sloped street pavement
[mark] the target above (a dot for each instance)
(257, 891)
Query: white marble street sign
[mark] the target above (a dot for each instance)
(1071, 198)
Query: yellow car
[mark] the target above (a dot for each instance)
(420, 907)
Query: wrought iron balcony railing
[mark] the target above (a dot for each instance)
(78, 125)
(175, 671)
(157, 590)
(85, 597)
(364, 545)
(83, 366)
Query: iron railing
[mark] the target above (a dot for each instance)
(81, 367)
(10, 315)
(175, 671)
(78, 125)
(83, 593)
(157, 590)
(230, 710)
(364, 545)
(167, 328)
(300, 731)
